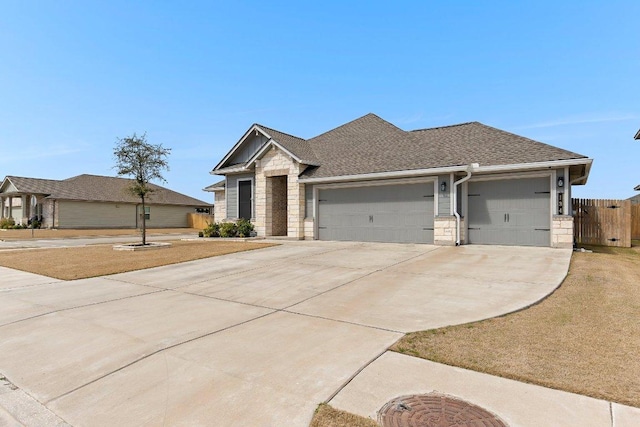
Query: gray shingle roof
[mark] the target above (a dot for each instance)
(96, 188)
(34, 185)
(298, 146)
(371, 145)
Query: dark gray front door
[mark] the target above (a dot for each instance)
(244, 199)
(382, 213)
(509, 212)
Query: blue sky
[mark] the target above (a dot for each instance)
(75, 75)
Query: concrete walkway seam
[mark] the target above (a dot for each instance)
(146, 356)
(355, 374)
(82, 306)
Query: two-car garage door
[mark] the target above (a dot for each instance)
(381, 213)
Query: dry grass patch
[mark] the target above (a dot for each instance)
(584, 338)
(46, 233)
(326, 416)
(100, 260)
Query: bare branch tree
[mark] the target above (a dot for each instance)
(144, 162)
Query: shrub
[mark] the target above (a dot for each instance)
(244, 227)
(7, 223)
(212, 230)
(200, 234)
(228, 229)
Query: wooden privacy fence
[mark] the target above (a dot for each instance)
(199, 220)
(635, 222)
(602, 222)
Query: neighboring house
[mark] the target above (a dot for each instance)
(91, 201)
(368, 180)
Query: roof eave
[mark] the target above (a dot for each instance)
(452, 169)
(273, 143)
(230, 169)
(637, 135)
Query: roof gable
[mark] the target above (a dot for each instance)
(254, 141)
(19, 184)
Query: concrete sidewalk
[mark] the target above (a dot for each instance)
(519, 404)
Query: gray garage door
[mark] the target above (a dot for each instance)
(384, 213)
(513, 212)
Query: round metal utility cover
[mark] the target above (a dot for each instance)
(435, 410)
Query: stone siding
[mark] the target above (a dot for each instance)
(309, 229)
(277, 163)
(562, 231)
(444, 230)
(220, 206)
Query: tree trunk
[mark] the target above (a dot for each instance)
(144, 224)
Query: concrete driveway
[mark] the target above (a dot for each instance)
(254, 338)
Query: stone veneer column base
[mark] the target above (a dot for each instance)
(444, 230)
(309, 229)
(562, 231)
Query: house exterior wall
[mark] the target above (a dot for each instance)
(48, 213)
(231, 191)
(444, 230)
(167, 216)
(277, 163)
(220, 205)
(308, 204)
(76, 214)
(444, 197)
(562, 231)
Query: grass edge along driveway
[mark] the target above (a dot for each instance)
(100, 260)
(584, 338)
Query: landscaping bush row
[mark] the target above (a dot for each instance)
(240, 228)
(10, 224)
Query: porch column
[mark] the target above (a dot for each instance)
(2, 206)
(10, 213)
(24, 202)
(27, 210)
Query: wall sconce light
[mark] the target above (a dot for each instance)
(443, 186)
(561, 182)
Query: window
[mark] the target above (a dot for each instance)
(147, 212)
(245, 207)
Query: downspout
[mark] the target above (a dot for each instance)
(470, 169)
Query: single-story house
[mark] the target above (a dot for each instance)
(92, 201)
(369, 180)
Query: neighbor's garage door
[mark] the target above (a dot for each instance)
(509, 212)
(383, 213)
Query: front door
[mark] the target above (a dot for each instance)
(244, 200)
